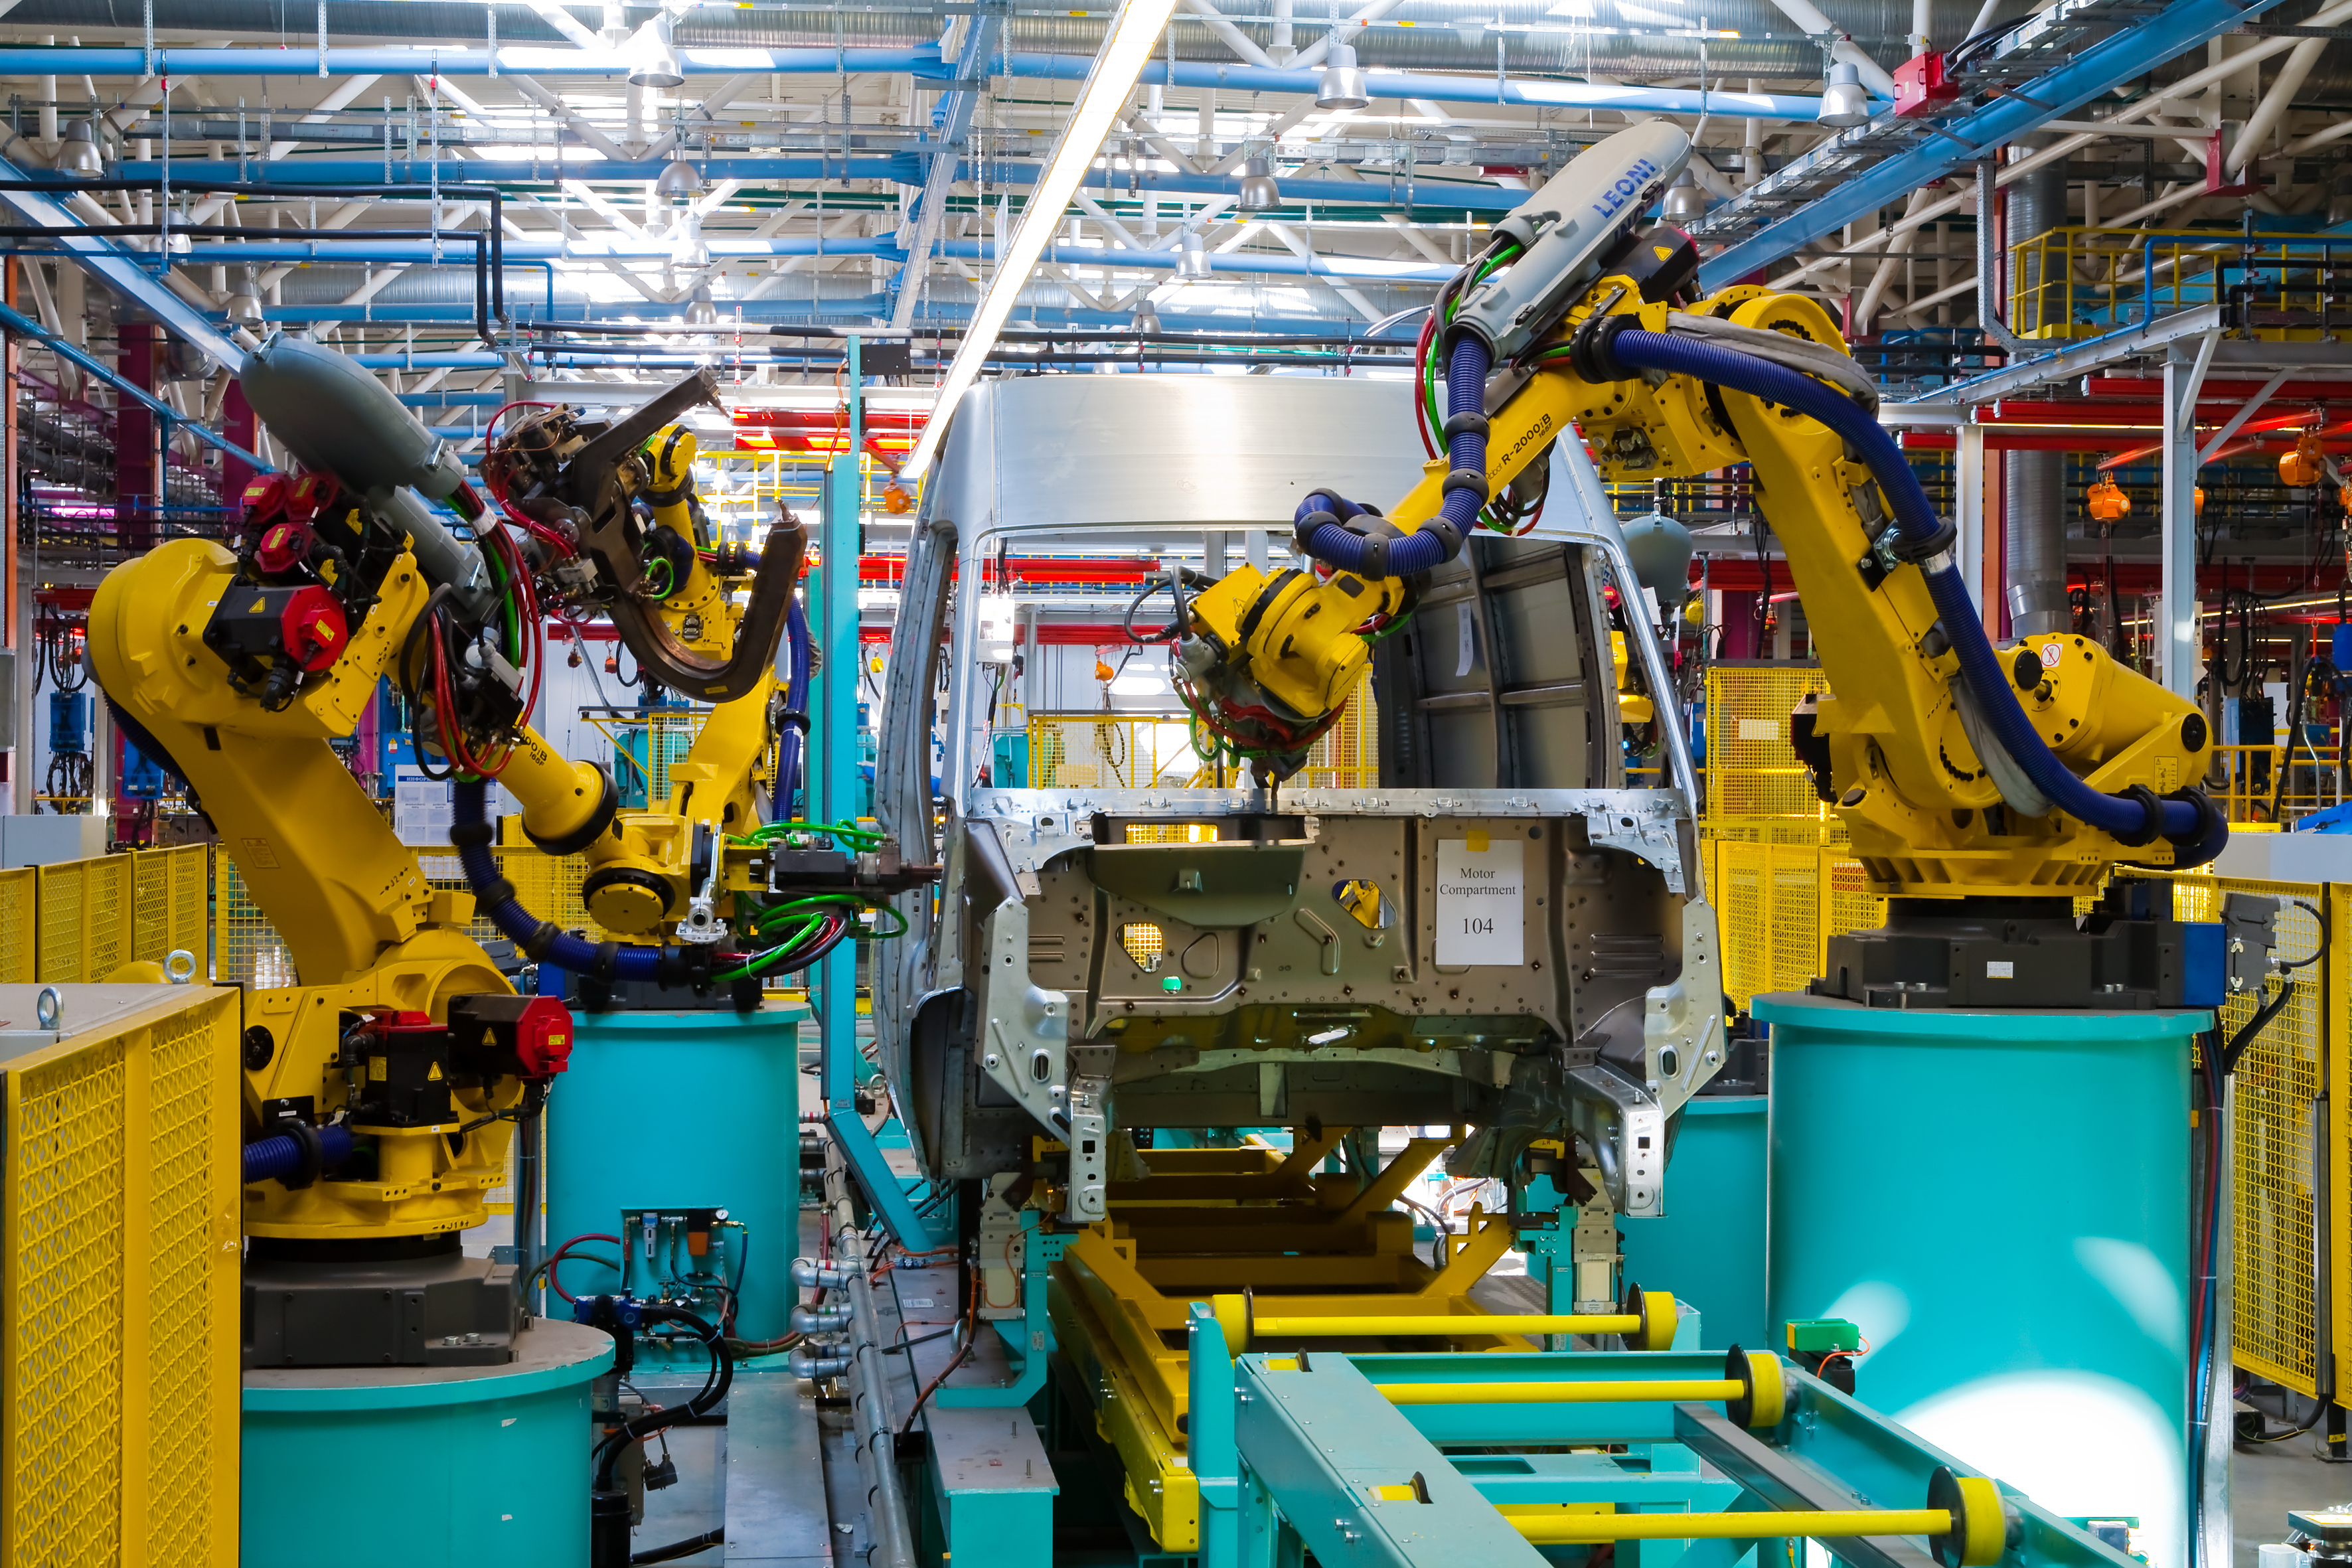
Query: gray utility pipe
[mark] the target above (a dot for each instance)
(876, 1445)
(2034, 513)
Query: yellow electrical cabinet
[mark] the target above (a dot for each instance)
(119, 1280)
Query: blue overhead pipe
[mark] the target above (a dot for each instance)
(923, 63)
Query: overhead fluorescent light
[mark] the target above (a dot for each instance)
(1134, 32)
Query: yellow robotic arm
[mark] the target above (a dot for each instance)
(1969, 775)
(384, 1074)
(667, 870)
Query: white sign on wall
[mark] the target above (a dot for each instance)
(1482, 901)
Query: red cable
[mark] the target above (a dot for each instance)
(534, 630)
(1421, 382)
(452, 734)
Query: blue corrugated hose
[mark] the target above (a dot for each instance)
(2178, 819)
(565, 950)
(1466, 392)
(281, 1156)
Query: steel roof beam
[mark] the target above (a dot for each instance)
(950, 136)
(2121, 57)
(124, 271)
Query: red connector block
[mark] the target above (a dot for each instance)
(1921, 85)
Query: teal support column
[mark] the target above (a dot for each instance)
(833, 797)
(1209, 1439)
(833, 735)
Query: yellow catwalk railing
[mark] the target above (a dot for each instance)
(2078, 282)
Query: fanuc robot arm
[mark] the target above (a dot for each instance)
(1967, 773)
(384, 1082)
(706, 865)
(381, 1089)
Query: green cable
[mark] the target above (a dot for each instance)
(505, 585)
(862, 837)
(1453, 309)
(768, 917)
(761, 962)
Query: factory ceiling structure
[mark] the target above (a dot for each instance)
(474, 198)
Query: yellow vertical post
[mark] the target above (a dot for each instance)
(138, 1233)
(2337, 1033)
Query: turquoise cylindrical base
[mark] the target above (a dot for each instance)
(478, 1464)
(1709, 1247)
(2000, 1201)
(675, 1110)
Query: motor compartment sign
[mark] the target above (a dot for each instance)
(1481, 889)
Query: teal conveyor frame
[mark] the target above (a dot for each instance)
(1289, 1451)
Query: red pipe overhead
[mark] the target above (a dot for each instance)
(1050, 633)
(889, 571)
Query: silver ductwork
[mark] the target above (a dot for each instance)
(2034, 487)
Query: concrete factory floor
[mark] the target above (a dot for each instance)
(2266, 1482)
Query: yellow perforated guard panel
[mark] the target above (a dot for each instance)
(2275, 1142)
(1778, 903)
(170, 892)
(119, 1426)
(246, 949)
(1751, 770)
(20, 944)
(83, 909)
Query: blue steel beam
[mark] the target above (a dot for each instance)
(23, 326)
(123, 270)
(950, 134)
(2120, 58)
(905, 168)
(419, 253)
(922, 62)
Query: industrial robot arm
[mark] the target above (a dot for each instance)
(1963, 770)
(580, 484)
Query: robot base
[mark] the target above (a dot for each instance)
(491, 1463)
(409, 1302)
(2014, 952)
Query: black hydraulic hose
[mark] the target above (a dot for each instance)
(2252, 1027)
(677, 1549)
(714, 1389)
(2193, 824)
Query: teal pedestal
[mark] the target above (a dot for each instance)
(462, 1464)
(671, 1110)
(2000, 1201)
(1708, 1250)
